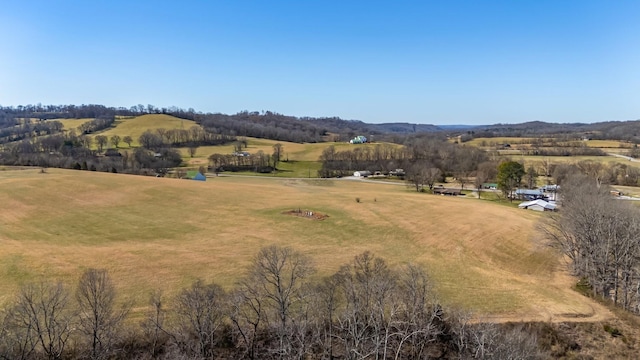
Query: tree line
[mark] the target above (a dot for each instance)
(607, 130)
(426, 155)
(599, 235)
(265, 124)
(20, 130)
(100, 123)
(602, 173)
(72, 151)
(278, 310)
(192, 137)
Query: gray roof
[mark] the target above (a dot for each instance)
(543, 204)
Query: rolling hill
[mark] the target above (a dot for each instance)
(159, 233)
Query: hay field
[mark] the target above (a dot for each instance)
(159, 233)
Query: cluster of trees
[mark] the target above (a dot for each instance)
(24, 129)
(45, 112)
(564, 151)
(97, 124)
(382, 157)
(425, 160)
(71, 151)
(192, 137)
(278, 310)
(599, 234)
(608, 130)
(266, 125)
(609, 174)
(259, 162)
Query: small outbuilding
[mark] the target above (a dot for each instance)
(529, 194)
(196, 175)
(538, 205)
(550, 188)
(445, 191)
(362, 173)
(490, 186)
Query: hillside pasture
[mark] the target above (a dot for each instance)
(298, 160)
(160, 233)
(135, 126)
(72, 124)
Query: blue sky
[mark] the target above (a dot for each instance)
(444, 62)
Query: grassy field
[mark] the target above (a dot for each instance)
(537, 160)
(72, 124)
(298, 160)
(302, 158)
(525, 142)
(135, 126)
(159, 233)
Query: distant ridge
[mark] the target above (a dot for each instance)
(404, 128)
(460, 127)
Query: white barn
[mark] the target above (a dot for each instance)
(538, 205)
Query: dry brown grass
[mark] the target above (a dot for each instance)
(135, 126)
(71, 124)
(155, 233)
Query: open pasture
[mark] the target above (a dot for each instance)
(298, 160)
(536, 161)
(135, 126)
(159, 233)
(497, 141)
(528, 142)
(303, 157)
(72, 124)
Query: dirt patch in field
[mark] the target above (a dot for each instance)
(308, 214)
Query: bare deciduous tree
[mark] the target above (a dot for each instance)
(101, 142)
(46, 307)
(599, 235)
(154, 327)
(115, 140)
(247, 314)
(99, 318)
(192, 150)
(127, 140)
(277, 154)
(368, 288)
(200, 310)
(280, 274)
(421, 174)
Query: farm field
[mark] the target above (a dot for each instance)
(159, 233)
(303, 158)
(533, 160)
(298, 160)
(135, 126)
(70, 124)
(488, 143)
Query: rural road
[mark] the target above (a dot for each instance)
(624, 157)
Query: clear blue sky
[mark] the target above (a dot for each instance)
(437, 62)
